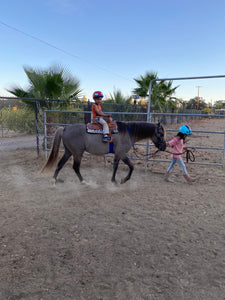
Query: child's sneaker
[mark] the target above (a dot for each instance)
(166, 177)
(106, 139)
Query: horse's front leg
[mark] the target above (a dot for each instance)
(115, 167)
(131, 168)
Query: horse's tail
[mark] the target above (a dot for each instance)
(55, 150)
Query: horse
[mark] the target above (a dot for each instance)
(77, 140)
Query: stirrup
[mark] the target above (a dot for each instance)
(106, 139)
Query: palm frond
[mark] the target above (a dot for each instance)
(55, 83)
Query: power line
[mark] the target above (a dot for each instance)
(62, 50)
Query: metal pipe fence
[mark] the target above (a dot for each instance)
(147, 145)
(82, 114)
(149, 114)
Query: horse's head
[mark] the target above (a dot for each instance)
(159, 137)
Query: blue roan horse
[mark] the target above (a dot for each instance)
(76, 140)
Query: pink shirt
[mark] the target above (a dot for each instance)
(178, 144)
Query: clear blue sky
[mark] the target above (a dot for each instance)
(111, 42)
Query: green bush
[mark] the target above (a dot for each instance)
(206, 110)
(20, 120)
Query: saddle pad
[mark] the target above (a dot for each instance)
(97, 128)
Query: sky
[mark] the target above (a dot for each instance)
(106, 44)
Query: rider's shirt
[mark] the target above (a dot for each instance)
(93, 110)
(177, 143)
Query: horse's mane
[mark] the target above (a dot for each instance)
(139, 130)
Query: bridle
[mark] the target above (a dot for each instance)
(158, 136)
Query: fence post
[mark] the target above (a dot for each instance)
(37, 129)
(223, 149)
(149, 117)
(45, 136)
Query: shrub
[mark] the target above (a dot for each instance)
(20, 120)
(206, 110)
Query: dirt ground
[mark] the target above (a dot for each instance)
(146, 239)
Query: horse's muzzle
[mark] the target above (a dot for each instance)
(162, 146)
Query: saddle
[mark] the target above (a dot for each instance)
(95, 127)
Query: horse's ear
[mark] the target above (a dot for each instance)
(158, 124)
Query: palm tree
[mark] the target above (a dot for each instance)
(117, 102)
(161, 92)
(55, 83)
(117, 97)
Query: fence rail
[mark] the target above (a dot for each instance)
(148, 145)
(81, 113)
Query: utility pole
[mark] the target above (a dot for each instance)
(198, 96)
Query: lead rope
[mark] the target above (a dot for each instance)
(189, 154)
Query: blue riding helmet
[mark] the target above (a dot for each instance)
(185, 129)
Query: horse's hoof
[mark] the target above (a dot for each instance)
(122, 181)
(114, 182)
(83, 182)
(60, 180)
(53, 182)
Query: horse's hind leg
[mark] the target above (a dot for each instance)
(131, 168)
(76, 167)
(62, 162)
(115, 167)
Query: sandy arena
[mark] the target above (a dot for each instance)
(147, 239)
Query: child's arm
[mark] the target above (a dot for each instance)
(172, 142)
(99, 113)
